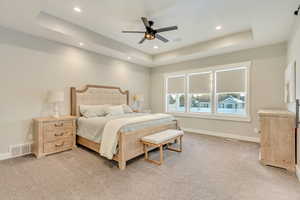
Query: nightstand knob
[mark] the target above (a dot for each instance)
(59, 134)
(59, 125)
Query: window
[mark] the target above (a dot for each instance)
(231, 91)
(200, 92)
(176, 94)
(216, 92)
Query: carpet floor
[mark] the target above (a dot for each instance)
(209, 168)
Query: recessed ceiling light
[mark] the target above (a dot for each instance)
(81, 43)
(128, 57)
(218, 27)
(77, 9)
(155, 47)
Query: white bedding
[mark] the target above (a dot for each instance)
(92, 128)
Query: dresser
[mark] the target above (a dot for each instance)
(277, 138)
(53, 135)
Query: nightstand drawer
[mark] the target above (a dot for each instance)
(58, 134)
(59, 125)
(58, 145)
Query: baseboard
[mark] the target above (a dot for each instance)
(5, 156)
(298, 172)
(224, 135)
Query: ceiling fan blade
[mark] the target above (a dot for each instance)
(161, 38)
(170, 28)
(142, 40)
(146, 22)
(133, 31)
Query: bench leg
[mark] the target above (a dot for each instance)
(161, 154)
(145, 151)
(176, 149)
(147, 155)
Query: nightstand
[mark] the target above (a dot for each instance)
(53, 135)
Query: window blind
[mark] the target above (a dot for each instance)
(200, 83)
(176, 85)
(231, 81)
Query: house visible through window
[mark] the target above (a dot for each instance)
(219, 91)
(200, 92)
(231, 91)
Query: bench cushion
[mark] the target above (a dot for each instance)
(161, 137)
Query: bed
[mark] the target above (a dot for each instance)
(128, 137)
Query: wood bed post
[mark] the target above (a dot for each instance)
(73, 101)
(121, 156)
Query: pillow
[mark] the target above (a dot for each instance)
(90, 111)
(115, 110)
(127, 109)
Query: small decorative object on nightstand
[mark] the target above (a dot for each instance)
(53, 135)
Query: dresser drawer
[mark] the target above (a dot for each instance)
(57, 126)
(56, 134)
(59, 145)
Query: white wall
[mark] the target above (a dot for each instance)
(30, 67)
(294, 55)
(267, 84)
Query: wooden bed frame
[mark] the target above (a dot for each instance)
(129, 145)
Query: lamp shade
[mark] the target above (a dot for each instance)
(139, 97)
(56, 96)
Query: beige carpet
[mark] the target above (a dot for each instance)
(209, 168)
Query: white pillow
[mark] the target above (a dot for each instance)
(127, 109)
(90, 111)
(115, 110)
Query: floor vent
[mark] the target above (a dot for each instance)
(20, 149)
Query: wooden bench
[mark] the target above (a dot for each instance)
(159, 140)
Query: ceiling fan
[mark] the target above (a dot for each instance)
(151, 33)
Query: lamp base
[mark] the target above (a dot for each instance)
(56, 115)
(56, 111)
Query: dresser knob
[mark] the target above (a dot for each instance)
(60, 145)
(59, 134)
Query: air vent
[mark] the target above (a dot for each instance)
(20, 149)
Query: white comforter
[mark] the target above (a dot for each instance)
(109, 139)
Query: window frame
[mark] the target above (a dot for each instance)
(166, 92)
(213, 114)
(188, 91)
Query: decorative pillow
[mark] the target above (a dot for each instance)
(90, 111)
(115, 110)
(127, 109)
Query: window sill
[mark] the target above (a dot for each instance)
(208, 116)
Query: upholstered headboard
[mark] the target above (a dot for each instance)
(97, 95)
